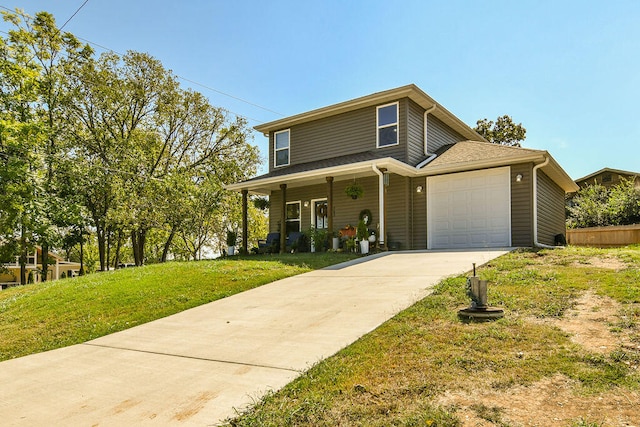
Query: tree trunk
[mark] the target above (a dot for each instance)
(45, 261)
(134, 247)
(142, 239)
(116, 260)
(23, 260)
(100, 234)
(108, 247)
(81, 272)
(138, 238)
(167, 244)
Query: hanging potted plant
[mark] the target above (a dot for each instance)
(232, 238)
(354, 190)
(363, 234)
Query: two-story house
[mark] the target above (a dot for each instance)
(429, 180)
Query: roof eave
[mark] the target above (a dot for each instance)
(555, 172)
(365, 168)
(411, 91)
(480, 164)
(603, 170)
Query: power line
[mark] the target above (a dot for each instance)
(178, 76)
(74, 14)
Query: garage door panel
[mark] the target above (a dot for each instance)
(469, 209)
(479, 223)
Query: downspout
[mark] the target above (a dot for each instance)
(426, 113)
(380, 203)
(535, 205)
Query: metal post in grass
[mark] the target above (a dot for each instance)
(479, 309)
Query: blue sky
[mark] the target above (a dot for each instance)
(569, 71)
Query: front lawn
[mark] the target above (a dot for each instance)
(427, 368)
(44, 316)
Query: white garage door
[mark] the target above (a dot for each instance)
(469, 210)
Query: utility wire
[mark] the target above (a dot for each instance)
(178, 76)
(74, 14)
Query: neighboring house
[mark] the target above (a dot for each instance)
(608, 177)
(430, 181)
(57, 267)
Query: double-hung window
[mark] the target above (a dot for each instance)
(281, 148)
(293, 217)
(387, 121)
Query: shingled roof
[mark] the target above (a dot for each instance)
(473, 151)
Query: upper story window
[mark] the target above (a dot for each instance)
(387, 125)
(281, 148)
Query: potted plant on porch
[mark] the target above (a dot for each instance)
(363, 234)
(232, 238)
(354, 190)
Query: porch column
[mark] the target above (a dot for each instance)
(245, 222)
(330, 205)
(283, 219)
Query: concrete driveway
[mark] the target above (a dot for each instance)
(199, 366)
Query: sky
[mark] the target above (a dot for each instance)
(569, 71)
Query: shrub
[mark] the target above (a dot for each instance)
(597, 206)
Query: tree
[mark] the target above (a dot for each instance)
(36, 45)
(108, 146)
(598, 206)
(21, 136)
(146, 145)
(503, 131)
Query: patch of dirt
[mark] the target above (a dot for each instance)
(549, 402)
(589, 323)
(552, 401)
(611, 263)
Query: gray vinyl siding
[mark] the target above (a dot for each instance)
(343, 134)
(415, 134)
(439, 134)
(551, 210)
(522, 206)
(398, 212)
(346, 209)
(419, 214)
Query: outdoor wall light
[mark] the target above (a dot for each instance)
(306, 203)
(419, 189)
(519, 177)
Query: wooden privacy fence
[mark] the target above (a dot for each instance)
(615, 235)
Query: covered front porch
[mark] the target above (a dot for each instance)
(316, 198)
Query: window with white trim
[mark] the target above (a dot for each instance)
(387, 122)
(293, 217)
(281, 148)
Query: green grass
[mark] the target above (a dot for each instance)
(42, 317)
(393, 375)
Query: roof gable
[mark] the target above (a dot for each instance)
(607, 170)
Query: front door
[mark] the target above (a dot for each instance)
(319, 214)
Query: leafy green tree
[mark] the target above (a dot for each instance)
(598, 206)
(39, 46)
(589, 207)
(148, 144)
(624, 203)
(21, 135)
(111, 146)
(503, 131)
